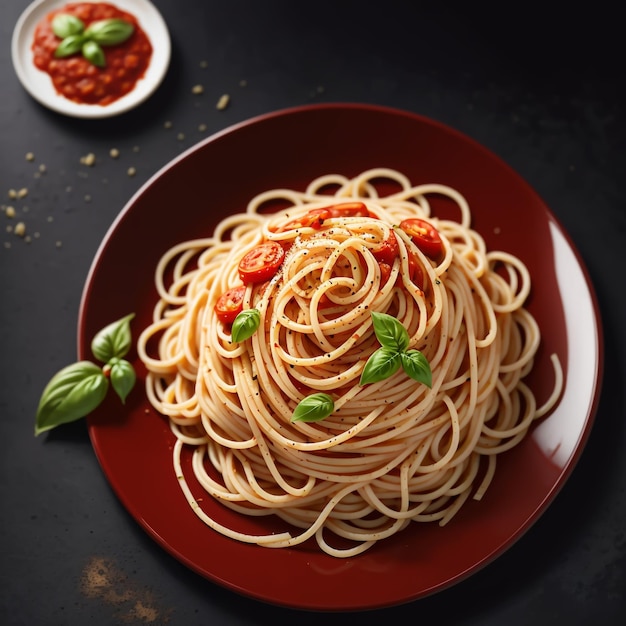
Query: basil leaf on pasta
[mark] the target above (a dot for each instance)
(245, 325)
(416, 365)
(314, 408)
(113, 341)
(72, 393)
(390, 332)
(382, 364)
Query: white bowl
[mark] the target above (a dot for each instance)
(39, 85)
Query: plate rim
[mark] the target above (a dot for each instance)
(599, 338)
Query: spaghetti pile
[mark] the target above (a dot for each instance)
(390, 452)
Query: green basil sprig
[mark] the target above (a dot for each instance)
(78, 389)
(75, 38)
(387, 360)
(314, 408)
(245, 325)
(393, 353)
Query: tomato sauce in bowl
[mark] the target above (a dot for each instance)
(76, 78)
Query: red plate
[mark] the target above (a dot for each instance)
(288, 149)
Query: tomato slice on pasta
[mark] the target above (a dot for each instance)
(348, 209)
(387, 251)
(261, 263)
(230, 304)
(313, 218)
(424, 235)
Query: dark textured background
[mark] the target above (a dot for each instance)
(544, 91)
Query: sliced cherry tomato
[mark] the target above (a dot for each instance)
(425, 236)
(388, 250)
(313, 218)
(348, 209)
(261, 263)
(230, 304)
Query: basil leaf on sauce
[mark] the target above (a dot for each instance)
(63, 25)
(94, 53)
(109, 32)
(70, 45)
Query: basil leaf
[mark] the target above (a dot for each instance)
(72, 393)
(122, 377)
(109, 32)
(94, 53)
(113, 341)
(416, 365)
(63, 25)
(390, 332)
(245, 325)
(70, 45)
(382, 364)
(313, 408)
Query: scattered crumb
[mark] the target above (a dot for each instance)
(320, 89)
(131, 171)
(50, 218)
(223, 102)
(197, 89)
(7, 244)
(180, 136)
(9, 228)
(24, 209)
(27, 239)
(167, 124)
(114, 153)
(22, 193)
(12, 194)
(20, 229)
(135, 148)
(202, 128)
(243, 83)
(58, 244)
(88, 159)
(36, 235)
(87, 198)
(30, 156)
(204, 64)
(10, 211)
(42, 168)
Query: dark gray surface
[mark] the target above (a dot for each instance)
(544, 92)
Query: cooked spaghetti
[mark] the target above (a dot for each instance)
(390, 452)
